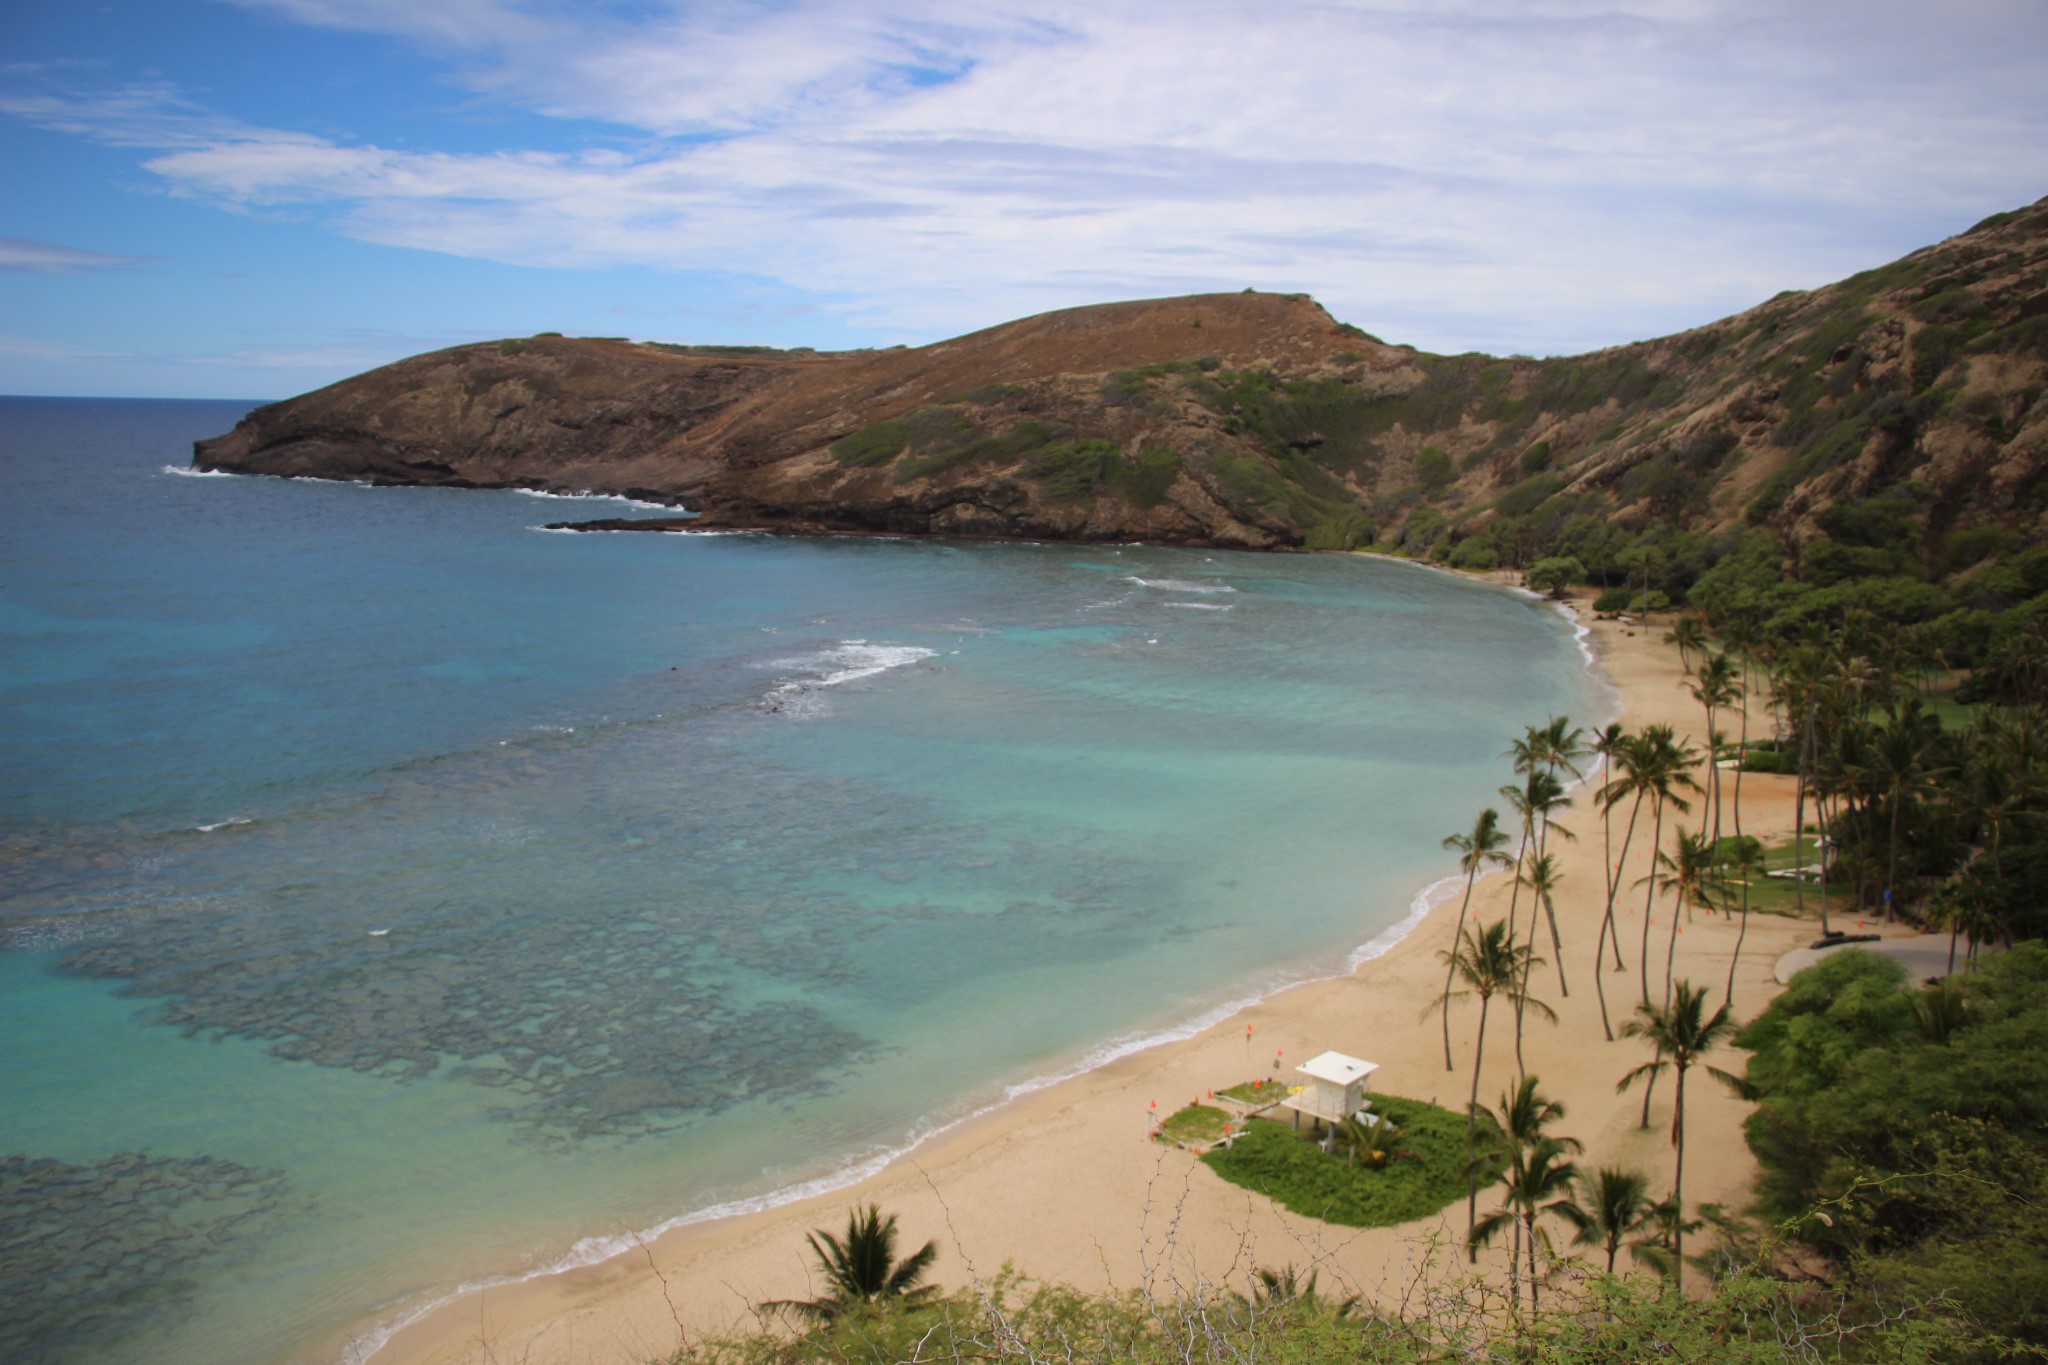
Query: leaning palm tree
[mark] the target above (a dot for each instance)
(1681, 1033)
(1689, 633)
(1612, 1204)
(862, 1269)
(1475, 850)
(1490, 963)
(1745, 858)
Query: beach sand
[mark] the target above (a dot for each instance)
(1064, 1184)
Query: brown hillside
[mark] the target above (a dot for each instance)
(1256, 420)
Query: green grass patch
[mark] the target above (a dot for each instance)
(1198, 1125)
(1254, 1092)
(1288, 1168)
(1770, 895)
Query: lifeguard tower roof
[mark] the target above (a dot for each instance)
(1337, 1068)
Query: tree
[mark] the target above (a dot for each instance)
(862, 1269)
(1612, 1205)
(1744, 856)
(1715, 688)
(1681, 1033)
(1907, 757)
(1555, 574)
(1537, 1178)
(1660, 770)
(1475, 850)
(1490, 963)
(1689, 633)
(1684, 871)
(1369, 1141)
(1288, 1287)
(1541, 877)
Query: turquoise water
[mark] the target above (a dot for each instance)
(396, 896)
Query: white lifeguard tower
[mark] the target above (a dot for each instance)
(1335, 1091)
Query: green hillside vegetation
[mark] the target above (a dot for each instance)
(1880, 444)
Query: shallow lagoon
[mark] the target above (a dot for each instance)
(396, 896)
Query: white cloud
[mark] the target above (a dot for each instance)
(1503, 175)
(52, 258)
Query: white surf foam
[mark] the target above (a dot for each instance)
(185, 471)
(1201, 606)
(223, 824)
(1180, 585)
(620, 498)
(848, 661)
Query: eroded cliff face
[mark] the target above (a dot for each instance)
(1256, 421)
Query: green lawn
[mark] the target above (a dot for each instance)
(1779, 895)
(1198, 1125)
(1255, 1092)
(1288, 1168)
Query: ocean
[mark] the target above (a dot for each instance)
(397, 896)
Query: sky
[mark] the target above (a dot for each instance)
(253, 198)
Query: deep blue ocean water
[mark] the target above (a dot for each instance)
(392, 895)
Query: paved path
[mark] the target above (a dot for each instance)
(1924, 955)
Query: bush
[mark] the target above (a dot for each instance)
(1274, 1160)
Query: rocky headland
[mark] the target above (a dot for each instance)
(1255, 421)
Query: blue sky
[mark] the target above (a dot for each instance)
(251, 198)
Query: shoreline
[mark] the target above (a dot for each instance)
(1081, 1128)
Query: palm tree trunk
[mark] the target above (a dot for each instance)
(1529, 1217)
(1671, 942)
(1451, 971)
(1556, 946)
(1678, 1178)
(1742, 747)
(1891, 875)
(1649, 902)
(1607, 924)
(1471, 1129)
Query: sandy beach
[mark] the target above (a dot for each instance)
(1065, 1185)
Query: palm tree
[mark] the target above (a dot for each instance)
(1797, 686)
(1745, 859)
(862, 1269)
(1681, 1035)
(1538, 1181)
(1664, 769)
(1369, 1141)
(1684, 871)
(1715, 689)
(1288, 1286)
(1613, 1203)
(1689, 633)
(1541, 876)
(1475, 850)
(1517, 1138)
(1490, 963)
(1535, 801)
(1906, 759)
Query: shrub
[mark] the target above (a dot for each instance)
(1274, 1160)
